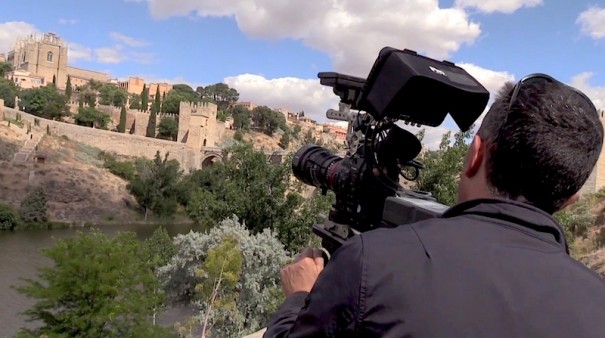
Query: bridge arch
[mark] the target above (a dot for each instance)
(210, 159)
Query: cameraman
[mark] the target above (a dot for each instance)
(496, 264)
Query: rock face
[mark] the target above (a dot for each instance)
(595, 261)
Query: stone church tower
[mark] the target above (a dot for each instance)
(45, 57)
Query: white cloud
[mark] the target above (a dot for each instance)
(290, 93)
(490, 79)
(592, 22)
(109, 55)
(11, 31)
(127, 40)
(503, 6)
(78, 52)
(596, 94)
(297, 94)
(351, 31)
(64, 21)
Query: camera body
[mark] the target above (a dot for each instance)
(401, 86)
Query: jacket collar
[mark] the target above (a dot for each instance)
(520, 215)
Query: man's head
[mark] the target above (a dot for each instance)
(537, 144)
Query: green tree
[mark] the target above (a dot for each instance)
(219, 93)
(9, 218)
(135, 101)
(241, 117)
(122, 125)
(154, 185)
(144, 98)
(242, 308)
(443, 167)
(8, 92)
(98, 286)
(45, 102)
(112, 95)
(268, 120)
(33, 208)
(220, 274)
(91, 117)
(179, 93)
(5, 68)
(155, 108)
(68, 88)
(168, 128)
(248, 185)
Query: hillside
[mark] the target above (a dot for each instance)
(78, 189)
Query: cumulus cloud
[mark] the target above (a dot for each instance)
(592, 22)
(351, 32)
(503, 6)
(11, 30)
(290, 93)
(595, 93)
(109, 55)
(76, 52)
(127, 40)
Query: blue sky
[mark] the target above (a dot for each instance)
(271, 50)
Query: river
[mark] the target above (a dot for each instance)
(20, 257)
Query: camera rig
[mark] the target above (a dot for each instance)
(402, 85)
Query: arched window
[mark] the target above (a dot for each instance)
(49, 56)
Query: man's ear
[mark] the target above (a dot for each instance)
(474, 157)
(571, 200)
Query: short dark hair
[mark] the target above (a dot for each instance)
(547, 147)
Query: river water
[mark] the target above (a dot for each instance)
(20, 257)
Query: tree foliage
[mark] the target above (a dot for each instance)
(9, 218)
(268, 120)
(154, 185)
(112, 95)
(5, 68)
(261, 193)
(122, 124)
(179, 93)
(33, 208)
(219, 93)
(98, 287)
(443, 167)
(45, 102)
(91, 117)
(256, 295)
(168, 128)
(8, 92)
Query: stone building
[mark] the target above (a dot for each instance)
(198, 126)
(47, 58)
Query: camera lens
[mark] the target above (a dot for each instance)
(316, 166)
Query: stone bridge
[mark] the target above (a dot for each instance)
(126, 144)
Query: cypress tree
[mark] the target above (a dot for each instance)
(144, 98)
(68, 88)
(122, 125)
(155, 108)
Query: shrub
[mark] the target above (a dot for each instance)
(33, 207)
(9, 218)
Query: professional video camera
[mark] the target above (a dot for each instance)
(402, 85)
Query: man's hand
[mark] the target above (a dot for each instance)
(302, 273)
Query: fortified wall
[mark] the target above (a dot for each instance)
(119, 143)
(198, 126)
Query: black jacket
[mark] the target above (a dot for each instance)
(487, 268)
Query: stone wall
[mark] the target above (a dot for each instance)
(122, 144)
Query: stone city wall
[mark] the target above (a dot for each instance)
(118, 143)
